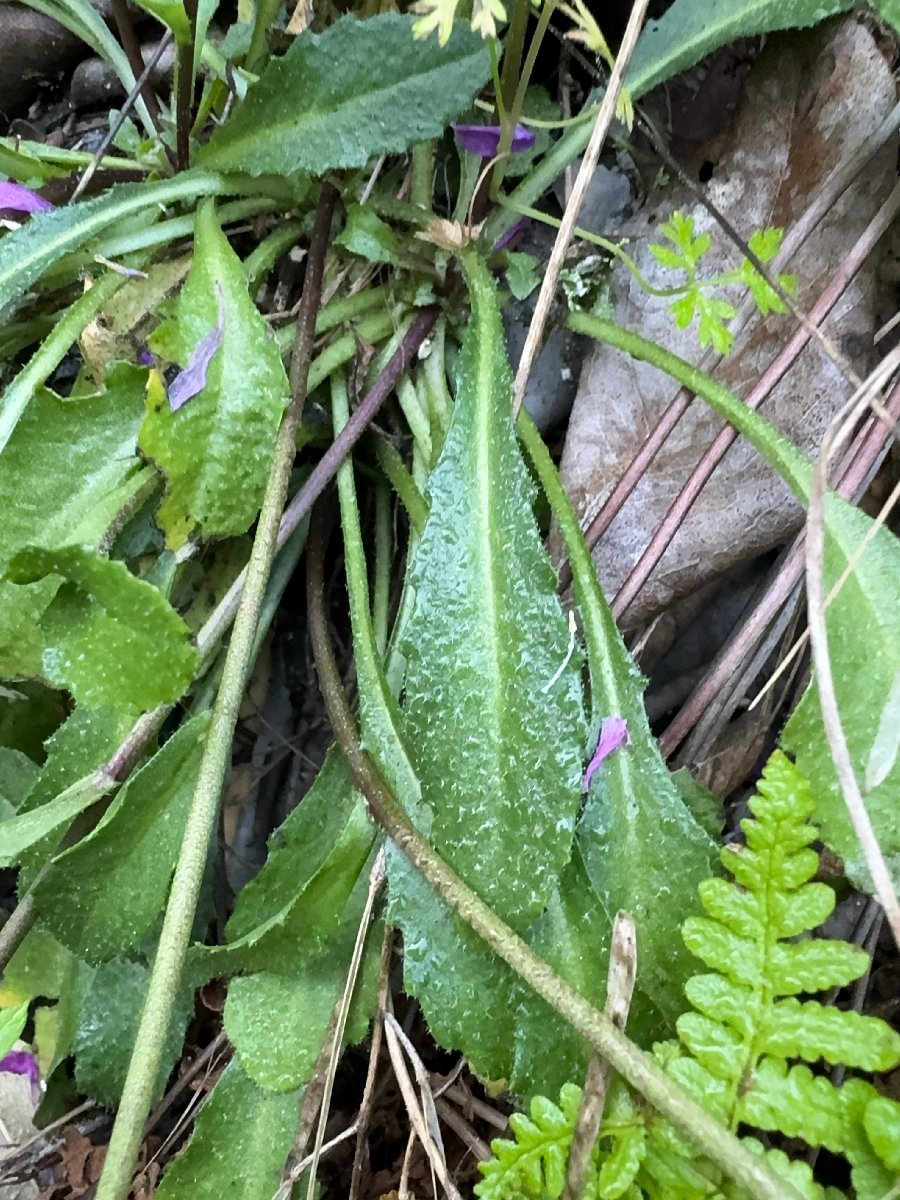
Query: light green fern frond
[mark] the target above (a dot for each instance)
(747, 1049)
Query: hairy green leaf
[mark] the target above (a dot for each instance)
(862, 613)
(65, 787)
(359, 89)
(691, 29)
(278, 1023)
(635, 824)
(110, 999)
(29, 251)
(104, 895)
(113, 640)
(216, 450)
(57, 488)
(493, 707)
(239, 1145)
(298, 901)
(19, 833)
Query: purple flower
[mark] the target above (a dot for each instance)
(192, 380)
(484, 140)
(613, 734)
(22, 1062)
(18, 198)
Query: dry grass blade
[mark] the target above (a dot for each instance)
(619, 990)
(376, 879)
(422, 1112)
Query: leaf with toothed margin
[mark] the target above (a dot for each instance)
(216, 450)
(339, 98)
(112, 640)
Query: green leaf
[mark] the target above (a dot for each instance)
(12, 1023)
(66, 473)
(359, 89)
(109, 1008)
(691, 29)
(635, 824)
(521, 274)
(298, 901)
(27, 252)
(216, 451)
(278, 1023)
(863, 614)
(882, 1122)
(239, 1145)
(21, 832)
(487, 642)
(18, 775)
(112, 639)
(104, 895)
(366, 235)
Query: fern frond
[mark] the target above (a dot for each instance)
(743, 1050)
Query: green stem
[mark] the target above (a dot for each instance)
(401, 481)
(422, 174)
(597, 239)
(53, 350)
(173, 943)
(776, 449)
(516, 102)
(624, 1056)
(381, 587)
(266, 14)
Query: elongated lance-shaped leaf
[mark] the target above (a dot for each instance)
(635, 824)
(359, 89)
(865, 559)
(493, 698)
(103, 896)
(691, 29)
(493, 704)
(31, 250)
(216, 449)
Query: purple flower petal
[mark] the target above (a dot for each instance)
(613, 734)
(22, 1062)
(18, 198)
(192, 380)
(484, 140)
(507, 239)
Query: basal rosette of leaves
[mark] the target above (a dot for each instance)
(128, 509)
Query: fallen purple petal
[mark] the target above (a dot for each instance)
(22, 1062)
(484, 140)
(192, 380)
(613, 734)
(18, 198)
